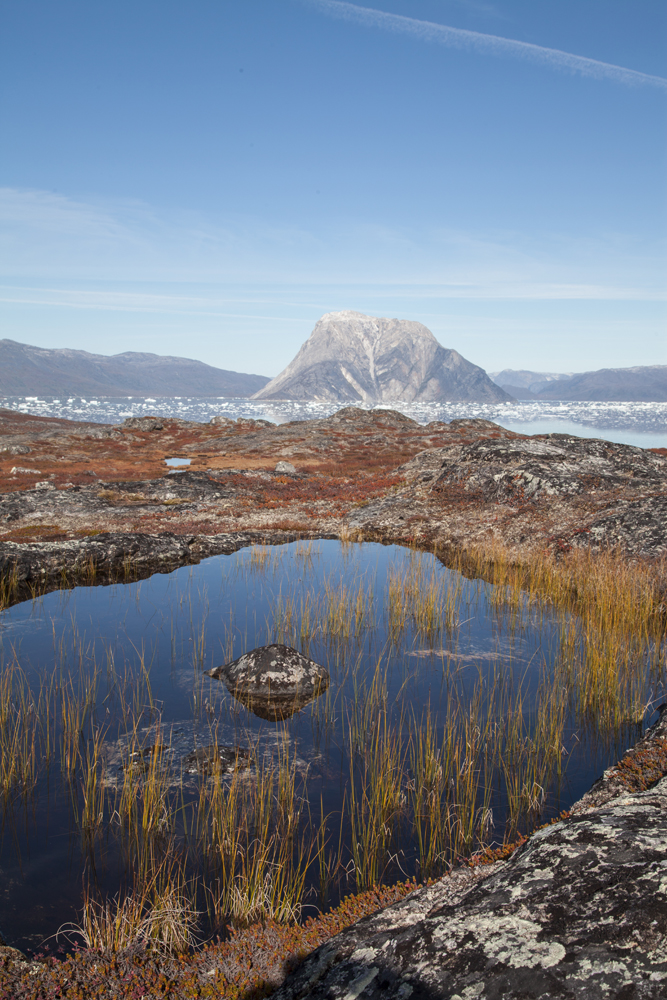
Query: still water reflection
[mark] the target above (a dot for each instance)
(450, 723)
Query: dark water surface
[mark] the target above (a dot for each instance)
(149, 642)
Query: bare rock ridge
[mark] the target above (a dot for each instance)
(25, 370)
(350, 356)
(641, 384)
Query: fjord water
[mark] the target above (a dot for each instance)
(415, 652)
(641, 424)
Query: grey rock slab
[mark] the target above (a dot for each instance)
(144, 423)
(15, 449)
(579, 911)
(639, 527)
(116, 556)
(273, 681)
(553, 465)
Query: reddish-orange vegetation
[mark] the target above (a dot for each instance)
(68, 452)
(342, 464)
(643, 766)
(250, 964)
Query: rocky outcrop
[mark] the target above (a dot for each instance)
(273, 681)
(350, 356)
(473, 483)
(562, 490)
(579, 911)
(551, 465)
(108, 557)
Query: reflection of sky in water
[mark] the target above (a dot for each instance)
(199, 617)
(621, 435)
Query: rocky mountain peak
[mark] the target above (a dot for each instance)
(371, 359)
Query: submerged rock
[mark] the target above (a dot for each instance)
(273, 681)
(206, 760)
(184, 753)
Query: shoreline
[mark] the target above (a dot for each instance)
(538, 513)
(391, 938)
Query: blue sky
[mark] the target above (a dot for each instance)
(207, 178)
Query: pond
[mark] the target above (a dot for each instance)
(176, 464)
(458, 716)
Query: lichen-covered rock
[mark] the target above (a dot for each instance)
(15, 449)
(635, 526)
(579, 911)
(273, 681)
(555, 490)
(553, 465)
(111, 556)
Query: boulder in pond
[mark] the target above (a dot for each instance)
(273, 681)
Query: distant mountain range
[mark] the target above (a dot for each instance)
(642, 384)
(26, 371)
(348, 357)
(366, 359)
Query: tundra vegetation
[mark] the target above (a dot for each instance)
(435, 742)
(480, 681)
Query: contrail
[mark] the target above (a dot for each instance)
(459, 38)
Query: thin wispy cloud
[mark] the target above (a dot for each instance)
(460, 38)
(51, 246)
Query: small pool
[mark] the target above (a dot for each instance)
(177, 463)
(458, 715)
